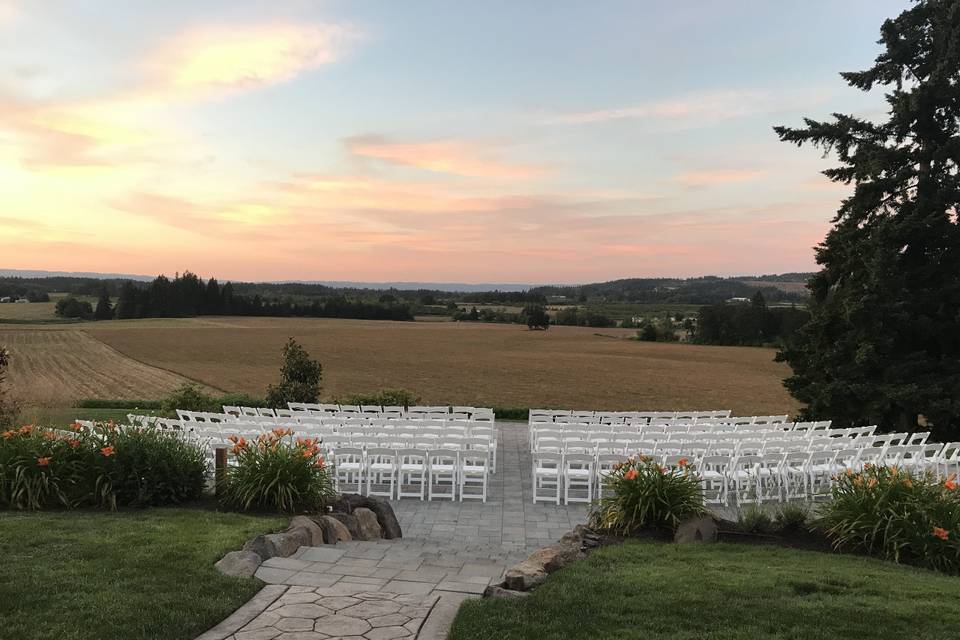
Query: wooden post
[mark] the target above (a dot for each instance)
(219, 467)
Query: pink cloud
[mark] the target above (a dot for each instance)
(442, 156)
(715, 177)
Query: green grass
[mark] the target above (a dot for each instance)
(723, 592)
(120, 576)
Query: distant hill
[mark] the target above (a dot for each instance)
(784, 288)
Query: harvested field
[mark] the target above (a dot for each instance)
(482, 364)
(57, 367)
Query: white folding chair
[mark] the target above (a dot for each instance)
(578, 472)
(714, 473)
(474, 466)
(381, 470)
(348, 467)
(411, 472)
(547, 468)
(442, 472)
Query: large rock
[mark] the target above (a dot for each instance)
(556, 556)
(542, 562)
(334, 531)
(367, 524)
(496, 591)
(390, 526)
(260, 546)
(242, 564)
(349, 521)
(283, 544)
(524, 576)
(316, 532)
(697, 530)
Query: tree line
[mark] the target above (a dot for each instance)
(748, 324)
(187, 295)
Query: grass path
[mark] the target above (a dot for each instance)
(648, 590)
(120, 576)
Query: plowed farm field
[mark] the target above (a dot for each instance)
(59, 367)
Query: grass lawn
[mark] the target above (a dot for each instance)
(133, 575)
(723, 591)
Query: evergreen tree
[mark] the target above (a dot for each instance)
(127, 302)
(104, 310)
(883, 343)
(299, 378)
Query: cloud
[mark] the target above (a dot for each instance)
(212, 61)
(441, 156)
(715, 177)
(698, 109)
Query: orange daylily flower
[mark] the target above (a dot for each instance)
(73, 442)
(43, 462)
(630, 475)
(950, 484)
(26, 429)
(47, 435)
(233, 439)
(8, 434)
(940, 532)
(307, 453)
(107, 451)
(76, 426)
(320, 463)
(682, 462)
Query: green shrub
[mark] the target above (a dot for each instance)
(106, 403)
(646, 495)
(511, 413)
(299, 377)
(384, 398)
(102, 467)
(240, 400)
(153, 467)
(792, 517)
(190, 397)
(887, 512)
(753, 519)
(277, 473)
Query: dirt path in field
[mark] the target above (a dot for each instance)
(57, 368)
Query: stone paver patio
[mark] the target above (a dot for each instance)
(384, 589)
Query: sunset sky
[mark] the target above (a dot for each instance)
(537, 142)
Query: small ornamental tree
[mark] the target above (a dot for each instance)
(537, 317)
(882, 345)
(299, 377)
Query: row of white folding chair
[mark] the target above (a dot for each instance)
(549, 414)
(552, 440)
(483, 413)
(725, 447)
(807, 475)
(427, 471)
(734, 421)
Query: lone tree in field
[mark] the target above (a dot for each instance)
(883, 342)
(8, 409)
(537, 317)
(299, 377)
(104, 309)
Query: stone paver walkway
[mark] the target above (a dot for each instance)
(448, 548)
